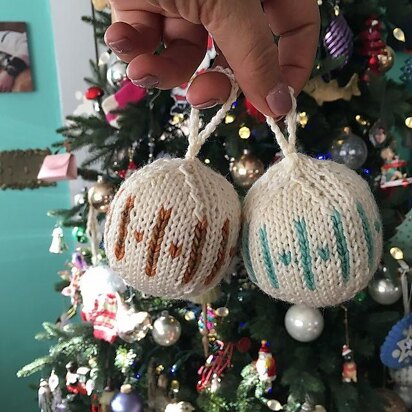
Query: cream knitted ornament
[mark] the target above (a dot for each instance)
(312, 232)
(173, 225)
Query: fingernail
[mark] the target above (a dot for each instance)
(147, 82)
(121, 46)
(279, 100)
(206, 105)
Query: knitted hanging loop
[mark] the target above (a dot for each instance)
(173, 225)
(312, 232)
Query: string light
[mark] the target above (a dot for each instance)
(175, 386)
(160, 369)
(408, 122)
(177, 118)
(207, 161)
(399, 34)
(303, 118)
(230, 118)
(396, 253)
(190, 315)
(244, 132)
(361, 120)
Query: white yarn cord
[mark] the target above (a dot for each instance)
(196, 139)
(92, 231)
(287, 146)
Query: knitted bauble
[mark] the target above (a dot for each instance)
(312, 232)
(173, 225)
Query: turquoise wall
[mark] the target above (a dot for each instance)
(28, 270)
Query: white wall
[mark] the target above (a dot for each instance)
(73, 41)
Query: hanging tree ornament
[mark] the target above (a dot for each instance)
(304, 323)
(132, 326)
(338, 40)
(406, 69)
(349, 369)
(349, 149)
(58, 245)
(378, 134)
(100, 195)
(383, 289)
(144, 238)
(94, 93)
(266, 365)
(289, 250)
(386, 59)
(116, 71)
(127, 400)
(166, 330)
(246, 170)
(179, 407)
(79, 234)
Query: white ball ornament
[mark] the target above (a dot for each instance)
(173, 225)
(303, 323)
(312, 232)
(166, 330)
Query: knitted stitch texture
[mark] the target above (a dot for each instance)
(173, 224)
(312, 231)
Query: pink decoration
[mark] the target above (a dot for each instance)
(58, 167)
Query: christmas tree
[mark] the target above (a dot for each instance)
(234, 348)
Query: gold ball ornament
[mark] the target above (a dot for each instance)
(392, 401)
(386, 59)
(246, 170)
(100, 195)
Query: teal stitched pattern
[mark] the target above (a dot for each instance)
(324, 253)
(246, 254)
(342, 246)
(267, 259)
(367, 232)
(378, 226)
(285, 258)
(304, 247)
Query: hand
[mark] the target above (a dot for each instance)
(6, 82)
(242, 30)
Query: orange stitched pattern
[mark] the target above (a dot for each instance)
(221, 254)
(156, 240)
(175, 250)
(196, 251)
(138, 236)
(120, 249)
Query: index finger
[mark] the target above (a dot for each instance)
(297, 22)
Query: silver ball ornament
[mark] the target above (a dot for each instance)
(349, 150)
(166, 330)
(304, 323)
(384, 290)
(246, 170)
(405, 393)
(116, 72)
(100, 195)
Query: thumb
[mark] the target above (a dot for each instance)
(243, 35)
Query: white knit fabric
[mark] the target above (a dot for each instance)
(312, 232)
(173, 225)
(402, 376)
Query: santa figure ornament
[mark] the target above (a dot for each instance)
(266, 364)
(349, 373)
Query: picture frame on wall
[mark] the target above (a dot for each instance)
(15, 68)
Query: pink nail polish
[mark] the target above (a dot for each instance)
(279, 100)
(147, 82)
(121, 46)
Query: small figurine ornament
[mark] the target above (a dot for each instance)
(323, 92)
(266, 364)
(73, 383)
(45, 397)
(349, 373)
(391, 170)
(58, 244)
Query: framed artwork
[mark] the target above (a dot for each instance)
(15, 71)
